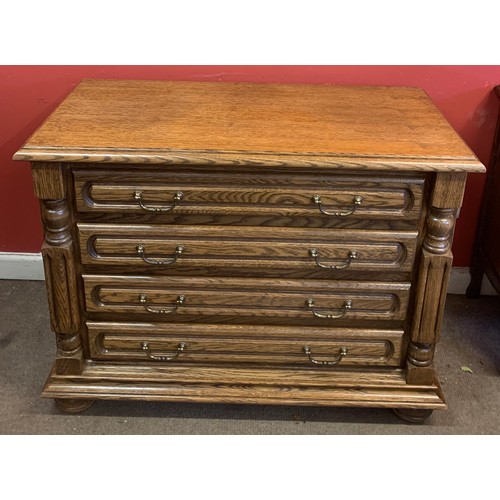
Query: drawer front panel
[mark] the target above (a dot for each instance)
(178, 343)
(267, 195)
(190, 247)
(219, 299)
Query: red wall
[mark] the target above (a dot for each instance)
(29, 93)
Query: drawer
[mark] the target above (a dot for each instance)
(188, 343)
(245, 194)
(236, 300)
(183, 248)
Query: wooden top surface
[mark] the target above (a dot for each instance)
(142, 121)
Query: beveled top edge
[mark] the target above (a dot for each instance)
(248, 158)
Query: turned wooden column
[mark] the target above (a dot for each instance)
(59, 264)
(433, 275)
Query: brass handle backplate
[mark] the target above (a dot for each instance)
(336, 361)
(352, 255)
(356, 201)
(143, 299)
(141, 251)
(177, 197)
(181, 347)
(347, 305)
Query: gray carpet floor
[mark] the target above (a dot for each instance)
(470, 338)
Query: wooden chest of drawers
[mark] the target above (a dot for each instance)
(247, 243)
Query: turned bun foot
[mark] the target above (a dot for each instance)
(413, 415)
(73, 405)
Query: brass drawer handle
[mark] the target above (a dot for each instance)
(181, 347)
(352, 255)
(177, 197)
(178, 252)
(347, 305)
(356, 201)
(336, 361)
(143, 300)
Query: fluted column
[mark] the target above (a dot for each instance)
(59, 265)
(433, 275)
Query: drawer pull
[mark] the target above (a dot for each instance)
(347, 305)
(181, 347)
(336, 361)
(178, 252)
(356, 201)
(352, 255)
(177, 197)
(143, 300)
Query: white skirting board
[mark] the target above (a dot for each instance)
(29, 266)
(21, 266)
(460, 279)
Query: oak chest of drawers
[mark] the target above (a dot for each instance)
(247, 243)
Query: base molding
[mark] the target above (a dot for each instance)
(367, 388)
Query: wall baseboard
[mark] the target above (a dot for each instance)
(460, 279)
(21, 266)
(29, 266)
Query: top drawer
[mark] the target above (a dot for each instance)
(170, 192)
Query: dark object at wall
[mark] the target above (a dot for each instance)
(486, 259)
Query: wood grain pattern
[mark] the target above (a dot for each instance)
(260, 248)
(60, 267)
(233, 299)
(428, 316)
(248, 194)
(222, 350)
(433, 275)
(431, 296)
(249, 178)
(144, 120)
(165, 373)
(209, 159)
(60, 277)
(365, 388)
(247, 222)
(48, 180)
(245, 343)
(245, 331)
(448, 190)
